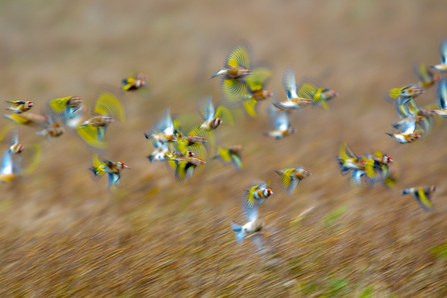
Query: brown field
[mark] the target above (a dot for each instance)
(63, 235)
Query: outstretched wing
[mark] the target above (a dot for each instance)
(225, 114)
(442, 93)
(443, 51)
(238, 56)
(289, 83)
(110, 105)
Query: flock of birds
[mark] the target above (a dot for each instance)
(243, 87)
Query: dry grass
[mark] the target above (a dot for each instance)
(63, 235)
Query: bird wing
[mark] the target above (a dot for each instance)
(58, 105)
(289, 83)
(6, 167)
(443, 51)
(92, 136)
(36, 157)
(225, 154)
(279, 119)
(238, 55)
(166, 125)
(233, 90)
(257, 79)
(423, 199)
(109, 104)
(225, 114)
(442, 93)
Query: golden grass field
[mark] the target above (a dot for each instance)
(64, 235)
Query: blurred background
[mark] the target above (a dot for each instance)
(63, 234)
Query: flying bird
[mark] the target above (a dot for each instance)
(293, 101)
(422, 195)
(19, 106)
(291, 177)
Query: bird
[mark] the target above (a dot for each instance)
(348, 160)
(426, 77)
(320, 96)
(252, 227)
(422, 195)
(215, 117)
(291, 177)
(134, 83)
(49, 127)
(404, 94)
(71, 109)
(406, 130)
(443, 52)
(112, 169)
(377, 166)
(162, 152)
(257, 194)
(255, 89)
(108, 107)
(231, 155)
(280, 120)
(293, 100)
(185, 164)
(163, 131)
(237, 62)
(9, 171)
(442, 97)
(19, 106)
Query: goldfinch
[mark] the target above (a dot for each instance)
(257, 194)
(231, 155)
(348, 160)
(108, 107)
(252, 227)
(442, 97)
(280, 121)
(236, 63)
(443, 52)
(291, 177)
(215, 117)
(134, 83)
(112, 169)
(422, 195)
(163, 132)
(71, 109)
(19, 106)
(293, 100)
(49, 127)
(320, 96)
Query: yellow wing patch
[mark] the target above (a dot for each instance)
(18, 119)
(90, 135)
(225, 154)
(258, 77)
(109, 104)
(238, 56)
(37, 156)
(58, 105)
(225, 114)
(394, 93)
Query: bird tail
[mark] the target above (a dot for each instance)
(148, 136)
(151, 158)
(405, 191)
(390, 134)
(240, 234)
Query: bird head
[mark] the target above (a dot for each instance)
(218, 121)
(433, 188)
(29, 104)
(122, 165)
(74, 101)
(268, 192)
(387, 159)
